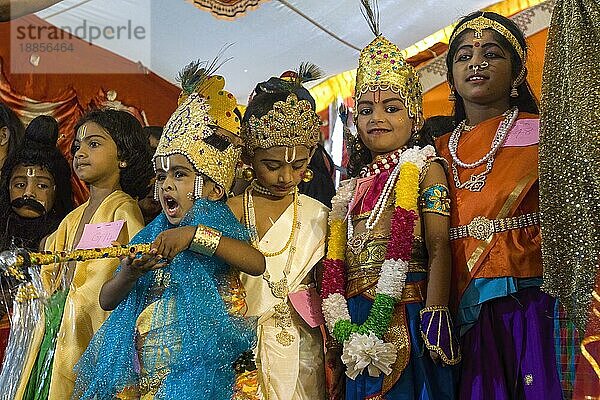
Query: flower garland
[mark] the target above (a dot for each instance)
(363, 346)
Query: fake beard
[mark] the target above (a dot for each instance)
(32, 204)
(27, 232)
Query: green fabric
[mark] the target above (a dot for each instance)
(39, 380)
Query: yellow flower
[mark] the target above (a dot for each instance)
(407, 187)
(337, 240)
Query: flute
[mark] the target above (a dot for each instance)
(15, 262)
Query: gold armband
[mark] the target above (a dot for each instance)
(206, 240)
(435, 199)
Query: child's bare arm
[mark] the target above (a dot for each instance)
(115, 290)
(438, 245)
(235, 253)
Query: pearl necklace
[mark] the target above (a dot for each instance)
(476, 182)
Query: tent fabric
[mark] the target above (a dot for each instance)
(273, 38)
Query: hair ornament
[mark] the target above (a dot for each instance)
(481, 23)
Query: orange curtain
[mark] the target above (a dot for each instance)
(435, 101)
(32, 90)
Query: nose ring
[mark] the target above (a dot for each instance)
(478, 67)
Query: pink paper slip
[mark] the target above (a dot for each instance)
(101, 235)
(308, 304)
(525, 132)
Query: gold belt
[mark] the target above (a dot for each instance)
(482, 228)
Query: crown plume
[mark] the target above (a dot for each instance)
(370, 10)
(308, 72)
(194, 75)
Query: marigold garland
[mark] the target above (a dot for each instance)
(395, 267)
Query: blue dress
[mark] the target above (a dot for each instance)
(414, 375)
(190, 342)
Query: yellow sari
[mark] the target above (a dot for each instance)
(82, 314)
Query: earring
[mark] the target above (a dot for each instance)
(248, 174)
(452, 95)
(520, 79)
(122, 164)
(308, 175)
(156, 192)
(198, 184)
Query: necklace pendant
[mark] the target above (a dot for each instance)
(279, 288)
(475, 183)
(283, 320)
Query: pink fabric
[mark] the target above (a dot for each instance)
(369, 195)
(526, 132)
(308, 304)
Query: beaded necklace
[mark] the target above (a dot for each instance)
(356, 243)
(382, 162)
(263, 190)
(250, 218)
(476, 182)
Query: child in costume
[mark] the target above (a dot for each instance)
(386, 277)
(35, 196)
(506, 322)
(110, 155)
(281, 130)
(174, 332)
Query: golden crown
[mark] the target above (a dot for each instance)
(222, 104)
(480, 23)
(290, 123)
(382, 67)
(185, 134)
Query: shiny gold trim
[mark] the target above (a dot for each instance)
(151, 384)
(397, 334)
(590, 359)
(510, 201)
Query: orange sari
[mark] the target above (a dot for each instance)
(511, 189)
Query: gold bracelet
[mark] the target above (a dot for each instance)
(206, 240)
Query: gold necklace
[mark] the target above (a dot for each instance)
(280, 288)
(250, 218)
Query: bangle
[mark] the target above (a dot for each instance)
(437, 333)
(206, 240)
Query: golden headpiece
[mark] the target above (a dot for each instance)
(382, 67)
(289, 123)
(203, 105)
(482, 22)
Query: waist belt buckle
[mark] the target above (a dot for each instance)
(480, 228)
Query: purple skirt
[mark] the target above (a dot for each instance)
(509, 353)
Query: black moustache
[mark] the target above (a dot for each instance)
(30, 203)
